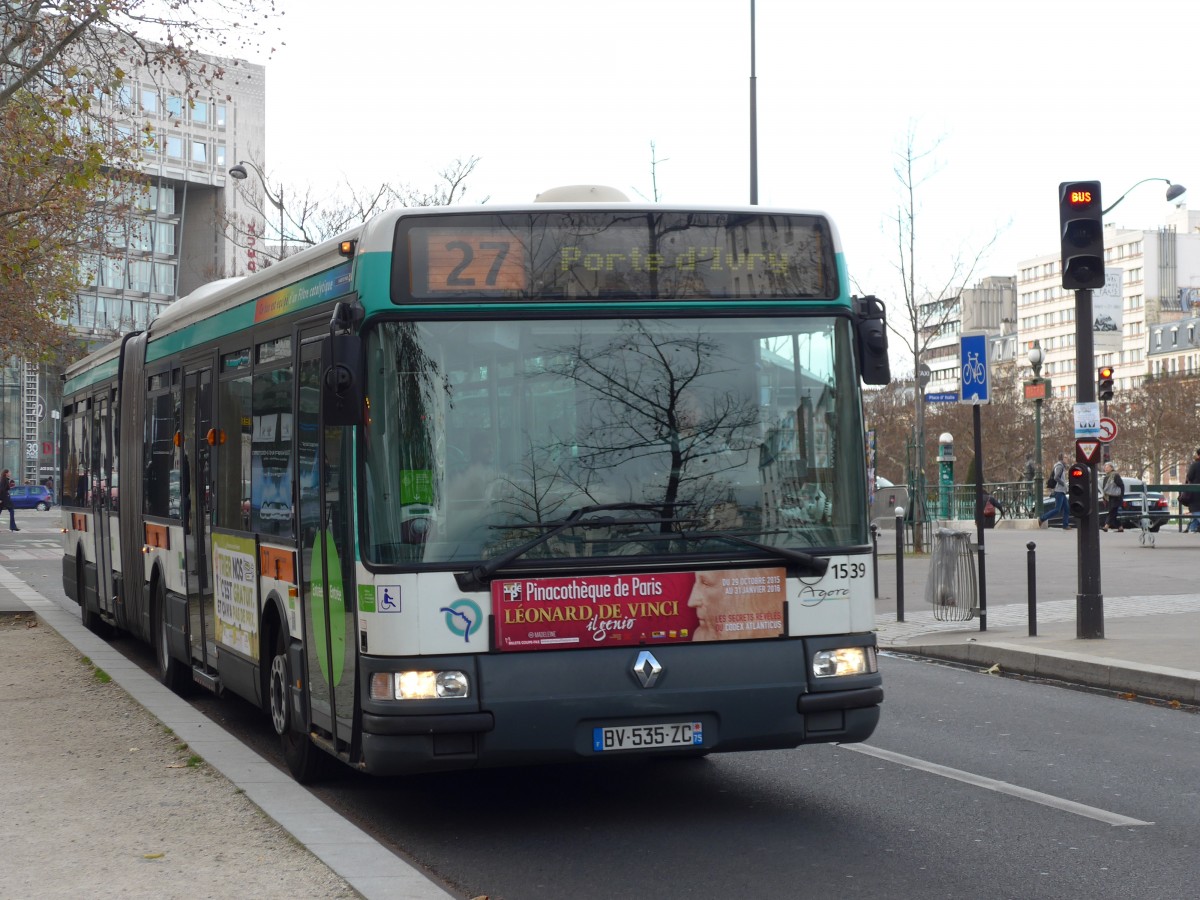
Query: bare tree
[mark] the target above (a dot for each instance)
(1158, 424)
(63, 48)
(68, 149)
(928, 305)
(310, 219)
(655, 196)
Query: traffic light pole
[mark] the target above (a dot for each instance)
(1089, 602)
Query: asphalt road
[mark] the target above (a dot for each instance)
(972, 785)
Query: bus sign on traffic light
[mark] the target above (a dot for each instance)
(1104, 383)
(1079, 490)
(1081, 225)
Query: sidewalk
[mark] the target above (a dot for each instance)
(1151, 642)
(119, 808)
(1150, 648)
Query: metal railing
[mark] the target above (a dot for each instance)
(1018, 499)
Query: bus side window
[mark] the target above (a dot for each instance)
(233, 454)
(162, 479)
(271, 461)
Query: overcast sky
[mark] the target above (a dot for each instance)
(1011, 98)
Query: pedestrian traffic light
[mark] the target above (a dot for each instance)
(1079, 490)
(1104, 383)
(1081, 224)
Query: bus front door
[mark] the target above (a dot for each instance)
(322, 469)
(196, 484)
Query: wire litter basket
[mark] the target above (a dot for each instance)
(952, 588)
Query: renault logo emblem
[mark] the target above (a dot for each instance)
(647, 669)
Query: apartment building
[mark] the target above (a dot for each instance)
(176, 242)
(1174, 347)
(1154, 279)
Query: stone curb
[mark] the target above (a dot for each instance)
(1158, 682)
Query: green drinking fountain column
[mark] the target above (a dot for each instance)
(945, 473)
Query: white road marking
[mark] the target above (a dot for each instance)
(991, 784)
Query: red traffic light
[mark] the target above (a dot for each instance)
(1079, 197)
(1081, 227)
(1079, 490)
(1106, 372)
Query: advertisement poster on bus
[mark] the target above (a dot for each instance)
(235, 592)
(661, 607)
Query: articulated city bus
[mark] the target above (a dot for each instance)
(497, 486)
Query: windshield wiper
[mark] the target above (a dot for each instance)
(811, 565)
(476, 578)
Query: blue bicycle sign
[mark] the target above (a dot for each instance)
(974, 371)
(972, 349)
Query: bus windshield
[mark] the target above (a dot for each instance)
(484, 434)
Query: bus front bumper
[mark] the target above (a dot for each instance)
(546, 707)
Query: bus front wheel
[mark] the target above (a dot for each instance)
(304, 759)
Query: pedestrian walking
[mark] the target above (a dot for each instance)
(1113, 488)
(6, 486)
(1189, 499)
(1057, 483)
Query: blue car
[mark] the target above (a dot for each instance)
(31, 496)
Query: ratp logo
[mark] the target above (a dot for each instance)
(462, 618)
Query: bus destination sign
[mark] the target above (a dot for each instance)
(626, 255)
(472, 260)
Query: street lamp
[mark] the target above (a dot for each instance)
(239, 173)
(1036, 357)
(1173, 191)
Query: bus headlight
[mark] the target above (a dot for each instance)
(844, 661)
(420, 685)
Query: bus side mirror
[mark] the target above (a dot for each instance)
(342, 379)
(871, 344)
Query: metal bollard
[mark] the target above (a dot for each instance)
(899, 564)
(1031, 569)
(875, 556)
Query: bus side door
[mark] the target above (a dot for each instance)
(102, 504)
(196, 484)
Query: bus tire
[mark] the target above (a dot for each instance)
(304, 759)
(171, 672)
(91, 619)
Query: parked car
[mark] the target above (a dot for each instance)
(31, 496)
(1158, 507)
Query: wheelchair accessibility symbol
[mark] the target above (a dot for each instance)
(389, 598)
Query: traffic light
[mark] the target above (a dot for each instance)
(1079, 490)
(1104, 383)
(1081, 223)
